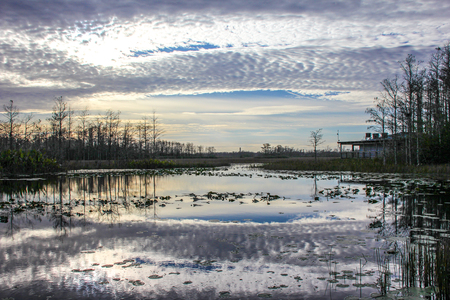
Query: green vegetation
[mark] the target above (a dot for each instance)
(26, 162)
(151, 164)
(355, 165)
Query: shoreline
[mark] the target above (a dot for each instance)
(277, 163)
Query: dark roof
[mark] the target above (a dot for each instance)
(363, 142)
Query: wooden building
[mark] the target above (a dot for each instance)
(371, 147)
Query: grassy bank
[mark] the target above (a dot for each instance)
(164, 163)
(355, 165)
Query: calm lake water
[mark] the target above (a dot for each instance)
(209, 234)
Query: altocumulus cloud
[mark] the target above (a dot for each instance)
(88, 50)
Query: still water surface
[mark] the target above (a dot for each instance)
(225, 233)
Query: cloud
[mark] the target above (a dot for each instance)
(89, 51)
(127, 48)
(272, 110)
(65, 12)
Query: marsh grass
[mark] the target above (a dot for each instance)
(167, 163)
(146, 164)
(427, 267)
(355, 165)
(442, 269)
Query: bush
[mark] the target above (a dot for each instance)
(26, 162)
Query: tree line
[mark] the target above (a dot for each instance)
(414, 110)
(78, 135)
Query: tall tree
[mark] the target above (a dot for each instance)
(57, 119)
(316, 139)
(410, 69)
(112, 121)
(144, 129)
(378, 117)
(12, 122)
(391, 90)
(83, 125)
(156, 132)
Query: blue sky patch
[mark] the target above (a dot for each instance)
(245, 94)
(185, 48)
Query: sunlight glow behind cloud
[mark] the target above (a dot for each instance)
(132, 50)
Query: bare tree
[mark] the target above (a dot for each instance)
(391, 95)
(30, 128)
(70, 125)
(412, 90)
(144, 129)
(57, 119)
(378, 117)
(82, 130)
(112, 121)
(127, 139)
(99, 130)
(316, 139)
(12, 124)
(156, 132)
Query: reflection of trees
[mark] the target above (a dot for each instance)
(57, 216)
(12, 225)
(420, 214)
(315, 188)
(101, 198)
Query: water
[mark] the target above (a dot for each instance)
(225, 233)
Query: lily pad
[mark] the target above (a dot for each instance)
(137, 282)
(265, 295)
(224, 294)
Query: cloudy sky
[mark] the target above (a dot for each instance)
(230, 74)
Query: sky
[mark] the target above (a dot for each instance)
(231, 74)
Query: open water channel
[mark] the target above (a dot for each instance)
(236, 233)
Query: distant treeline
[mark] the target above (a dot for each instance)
(70, 135)
(414, 109)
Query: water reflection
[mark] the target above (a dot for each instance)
(235, 233)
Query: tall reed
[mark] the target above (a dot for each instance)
(442, 270)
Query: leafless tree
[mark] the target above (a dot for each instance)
(12, 123)
(144, 130)
(156, 132)
(378, 117)
(83, 125)
(316, 139)
(391, 90)
(57, 120)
